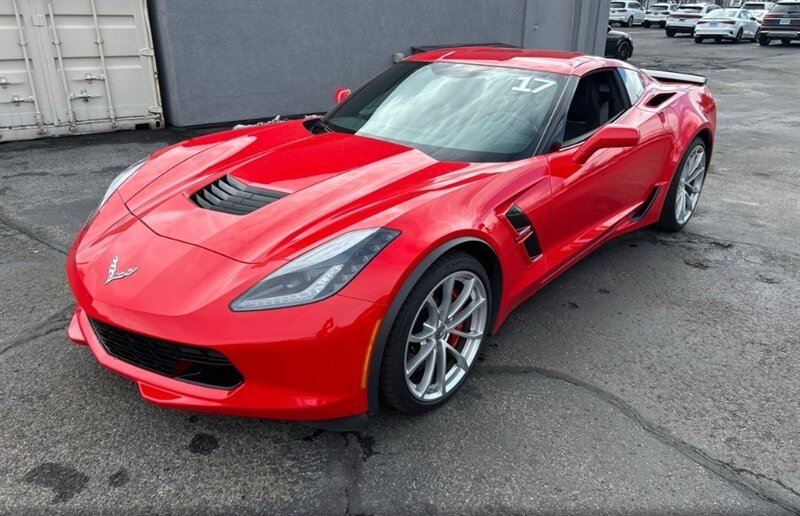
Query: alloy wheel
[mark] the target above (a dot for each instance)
(690, 184)
(445, 336)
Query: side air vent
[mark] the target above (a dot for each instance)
(525, 233)
(645, 206)
(659, 99)
(229, 195)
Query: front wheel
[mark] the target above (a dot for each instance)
(436, 337)
(684, 189)
(623, 51)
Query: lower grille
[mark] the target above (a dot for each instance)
(186, 363)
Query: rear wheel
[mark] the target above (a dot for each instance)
(786, 42)
(437, 334)
(698, 39)
(670, 33)
(739, 36)
(763, 40)
(646, 24)
(717, 39)
(684, 189)
(662, 24)
(629, 23)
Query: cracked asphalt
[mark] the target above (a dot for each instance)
(660, 375)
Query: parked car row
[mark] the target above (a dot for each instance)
(753, 21)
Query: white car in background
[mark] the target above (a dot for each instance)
(625, 13)
(657, 14)
(758, 9)
(734, 24)
(686, 17)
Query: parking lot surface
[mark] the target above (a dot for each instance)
(661, 374)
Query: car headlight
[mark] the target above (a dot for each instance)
(317, 274)
(116, 183)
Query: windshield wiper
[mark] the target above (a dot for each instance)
(321, 126)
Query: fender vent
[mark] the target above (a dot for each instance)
(659, 99)
(229, 195)
(525, 233)
(645, 206)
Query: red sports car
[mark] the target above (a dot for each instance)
(310, 269)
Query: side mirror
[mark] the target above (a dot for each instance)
(607, 137)
(340, 94)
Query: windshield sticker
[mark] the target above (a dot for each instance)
(525, 83)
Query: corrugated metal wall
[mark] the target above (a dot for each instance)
(222, 61)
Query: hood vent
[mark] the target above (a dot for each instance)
(229, 195)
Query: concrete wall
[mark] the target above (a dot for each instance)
(229, 60)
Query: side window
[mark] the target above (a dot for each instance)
(598, 99)
(633, 83)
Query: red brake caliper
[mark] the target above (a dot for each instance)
(453, 339)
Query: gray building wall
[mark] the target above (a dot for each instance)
(229, 60)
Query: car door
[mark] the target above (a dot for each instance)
(590, 199)
(638, 12)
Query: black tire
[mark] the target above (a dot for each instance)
(670, 34)
(628, 23)
(739, 36)
(392, 380)
(755, 37)
(646, 24)
(698, 39)
(668, 221)
(786, 42)
(763, 40)
(662, 24)
(623, 51)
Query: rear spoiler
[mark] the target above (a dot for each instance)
(664, 76)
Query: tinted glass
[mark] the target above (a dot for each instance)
(618, 5)
(786, 9)
(452, 111)
(754, 5)
(633, 83)
(690, 10)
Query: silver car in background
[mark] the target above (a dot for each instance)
(625, 13)
(657, 14)
(733, 24)
(758, 9)
(686, 17)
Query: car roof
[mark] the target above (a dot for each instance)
(554, 61)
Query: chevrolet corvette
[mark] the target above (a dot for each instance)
(315, 269)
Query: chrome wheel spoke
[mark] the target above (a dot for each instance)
(447, 297)
(465, 313)
(462, 298)
(424, 352)
(428, 331)
(467, 334)
(425, 383)
(441, 367)
(461, 362)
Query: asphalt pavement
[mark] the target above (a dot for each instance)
(660, 375)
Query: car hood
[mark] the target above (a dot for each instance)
(330, 183)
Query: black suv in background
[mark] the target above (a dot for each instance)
(781, 22)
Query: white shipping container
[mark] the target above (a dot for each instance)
(76, 66)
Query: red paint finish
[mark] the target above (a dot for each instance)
(311, 362)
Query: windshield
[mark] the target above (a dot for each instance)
(786, 9)
(452, 111)
(617, 5)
